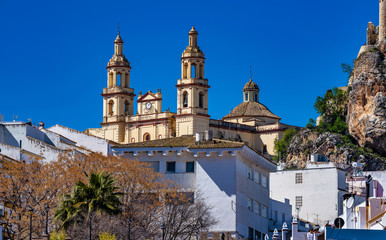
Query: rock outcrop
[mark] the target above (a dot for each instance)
(330, 145)
(366, 115)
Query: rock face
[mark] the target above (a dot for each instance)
(366, 115)
(332, 146)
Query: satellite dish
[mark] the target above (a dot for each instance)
(339, 222)
(350, 202)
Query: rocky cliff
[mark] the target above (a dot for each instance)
(331, 145)
(366, 115)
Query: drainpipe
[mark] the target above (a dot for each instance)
(368, 180)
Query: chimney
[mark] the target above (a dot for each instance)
(276, 235)
(284, 231)
(199, 137)
(208, 135)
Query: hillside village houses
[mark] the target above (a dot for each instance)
(227, 162)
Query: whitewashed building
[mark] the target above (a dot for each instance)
(21, 141)
(315, 193)
(231, 177)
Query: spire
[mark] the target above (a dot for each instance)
(193, 37)
(118, 39)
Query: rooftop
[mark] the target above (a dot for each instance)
(184, 141)
(251, 109)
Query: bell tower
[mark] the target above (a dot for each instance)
(118, 97)
(192, 90)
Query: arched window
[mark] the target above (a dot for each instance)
(146, 137)
(246, 96)
(185, 99)
(201, 100)
(127, 107)
(111, 107)
(160, 136)
(193, 71)
(256, 97)
(133, 140)
(118, 79)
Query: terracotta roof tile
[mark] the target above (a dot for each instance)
(251, 109)
(184, 141)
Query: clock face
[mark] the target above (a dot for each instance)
(148, 105)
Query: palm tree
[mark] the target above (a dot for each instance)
(99, 195)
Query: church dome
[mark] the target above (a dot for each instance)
(250, 86)
(251, 109)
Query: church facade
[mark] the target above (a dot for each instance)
(250, 122)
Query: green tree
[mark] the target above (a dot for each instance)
(99, 195)
(282, 145)
(348, 69)
(332, 109)
(311, 123)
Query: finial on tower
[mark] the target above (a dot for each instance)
(193, 37)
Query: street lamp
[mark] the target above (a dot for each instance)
(47, 208)
(30, 209)
(163, 227)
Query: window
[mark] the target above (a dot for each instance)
(127, 107)
(111, 107)
(256, 100)
(298, 201)
(264, 211)
(193, 73)
(133, 140)
(275, 215)
(264, 149)
(250, 233)
(190, 167)
(283, 217)
(250, 204)
(257, 235)
(246, 96)
(256, 177)
(201, 100)
(250, 174)
(185, 99)
(118, 79)
(170, 167)
(298, 178)
(264, 181)
(146, 137)
(256, 207)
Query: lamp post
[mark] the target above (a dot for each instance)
(163, 227)
(30, 209)
(47, 208)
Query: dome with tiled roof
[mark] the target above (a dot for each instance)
(251, 109)
(250, 86)
(251, 106)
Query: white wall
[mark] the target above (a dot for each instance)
(93, 143)
(321, 196)
(221, 180)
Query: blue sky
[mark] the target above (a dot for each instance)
(54, 53)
